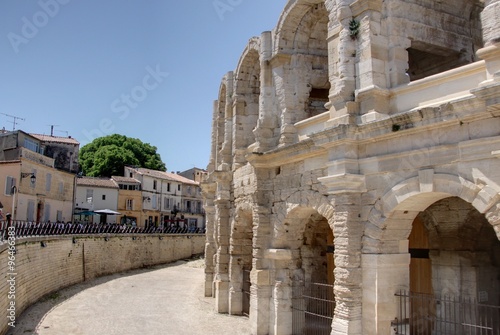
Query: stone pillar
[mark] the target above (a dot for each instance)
(383, 276)
(239, 136)
(264, 132)
(223, 216)
(341, 64)
(213, 149)
(235, 287)
(490, 19)
(347, 232)
(226, 152)
(261, 289)
(371, 87)
(288, 104)
(490, 53)
(210, 245)
(222, 265)
(281, 303)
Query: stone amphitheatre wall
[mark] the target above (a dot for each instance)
(44, 265)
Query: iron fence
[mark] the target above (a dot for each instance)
(312, 309)
(27, 229)
(246, 292)
(423, 314)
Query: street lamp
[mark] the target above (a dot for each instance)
(29, 174)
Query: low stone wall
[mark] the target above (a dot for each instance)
(42, 265)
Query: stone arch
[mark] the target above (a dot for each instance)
(224, 120)
(303, 204)
(240, 260)
(246, 103)
(296, 23)
(301, 38)
(391, 218)
(305, 231)
(220, 122)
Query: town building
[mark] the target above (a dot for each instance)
(33, 189)
(94, 194)
(129, 200)
(195, 174)
(64, 150)
(356, 150)
(190, 207)
(167, 198)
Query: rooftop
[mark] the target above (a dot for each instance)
(56, 139)
(96, 182)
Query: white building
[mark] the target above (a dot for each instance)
(93, 194)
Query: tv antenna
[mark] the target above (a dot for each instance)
(52, 126)
(14, 120)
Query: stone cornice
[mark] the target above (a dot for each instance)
(285, 155)
(393, 127)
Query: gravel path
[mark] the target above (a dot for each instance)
(161, 300)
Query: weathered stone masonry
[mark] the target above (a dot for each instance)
(365, 128)
(63, 261)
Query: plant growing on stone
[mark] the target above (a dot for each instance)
(354, 28)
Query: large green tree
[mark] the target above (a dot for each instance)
(107, 156)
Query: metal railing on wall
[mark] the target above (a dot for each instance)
(27, 229)
(312, 309)
(424, 314)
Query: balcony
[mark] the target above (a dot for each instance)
(37, 158)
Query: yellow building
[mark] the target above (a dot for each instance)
(129, 201)
(33, 189)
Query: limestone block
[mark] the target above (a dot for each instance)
(486, 198)
(260, 277)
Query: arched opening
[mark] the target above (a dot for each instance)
(240, 263)
(313, 300)
(302, 35)
(444, 35)
(454, 271)
(246, 105)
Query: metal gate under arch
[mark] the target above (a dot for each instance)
(246, 292)
(312, 309)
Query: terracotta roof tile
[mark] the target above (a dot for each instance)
(96, 182)
(166, 176)
(56, 139)
(120, 179)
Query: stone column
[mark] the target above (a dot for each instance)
(371, 87)
(341, 64)
(281, 308)
(239, 137)
(347, 232)
(227, 146)
(261, 289)
(288, 102)
(383, 276)
(210, 245)
(223, 216)
(213, 149)
(490, 19)
(264, 132)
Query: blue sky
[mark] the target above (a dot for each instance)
(144, 69)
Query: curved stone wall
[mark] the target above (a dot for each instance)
(42, 265)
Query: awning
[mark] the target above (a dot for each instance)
(106, 211)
